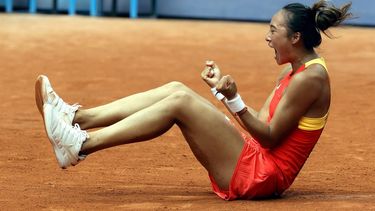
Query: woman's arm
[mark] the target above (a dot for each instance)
(302, 92)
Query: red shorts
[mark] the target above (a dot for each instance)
(255, 175)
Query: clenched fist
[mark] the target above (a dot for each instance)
(211, 74)
(227, 87)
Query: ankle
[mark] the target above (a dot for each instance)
(78, 117)
(87, 145)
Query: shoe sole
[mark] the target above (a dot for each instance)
(40, 90)
(48, 119)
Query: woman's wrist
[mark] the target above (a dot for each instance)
(236, 104)
(217, 94)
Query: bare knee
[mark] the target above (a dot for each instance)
(180, 100)
(184, 97)
(176, 86)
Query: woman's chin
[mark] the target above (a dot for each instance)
(280, 61)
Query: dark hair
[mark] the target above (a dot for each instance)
(309, 21)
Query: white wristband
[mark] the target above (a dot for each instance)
(236, 104)
(217, 94)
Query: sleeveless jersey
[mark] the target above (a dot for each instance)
(294, 150)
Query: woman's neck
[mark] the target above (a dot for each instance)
(303, 57)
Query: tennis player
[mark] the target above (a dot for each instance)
(261, 163)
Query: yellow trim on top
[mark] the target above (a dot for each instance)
(317, 61)
(310, 123)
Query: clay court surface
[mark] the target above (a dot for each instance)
(96, 60)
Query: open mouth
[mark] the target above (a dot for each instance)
(270, 45)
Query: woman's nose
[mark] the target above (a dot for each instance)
(268, 38)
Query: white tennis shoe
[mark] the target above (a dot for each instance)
(66, 140)
(45, 94)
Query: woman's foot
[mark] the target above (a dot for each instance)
(66, 140)
(44, 94)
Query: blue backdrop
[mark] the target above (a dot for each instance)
(258, 10)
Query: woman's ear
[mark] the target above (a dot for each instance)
(296, 37)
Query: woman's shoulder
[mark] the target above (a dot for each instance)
(314, 77)
(316, 71)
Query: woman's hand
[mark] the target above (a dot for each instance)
(227, 87)
(211, 74)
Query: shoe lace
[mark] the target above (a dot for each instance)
(81, 133)
(73, 134)
(66, 108)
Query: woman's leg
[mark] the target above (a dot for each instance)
(113, 112)
(213, 140)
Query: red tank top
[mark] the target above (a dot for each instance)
(294, 150)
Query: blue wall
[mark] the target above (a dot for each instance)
(220, 9)
(144, 6)
(259, 10)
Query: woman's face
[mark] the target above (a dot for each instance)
(278, 39)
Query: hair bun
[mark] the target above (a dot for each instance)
(310, 21)
(327, 15)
